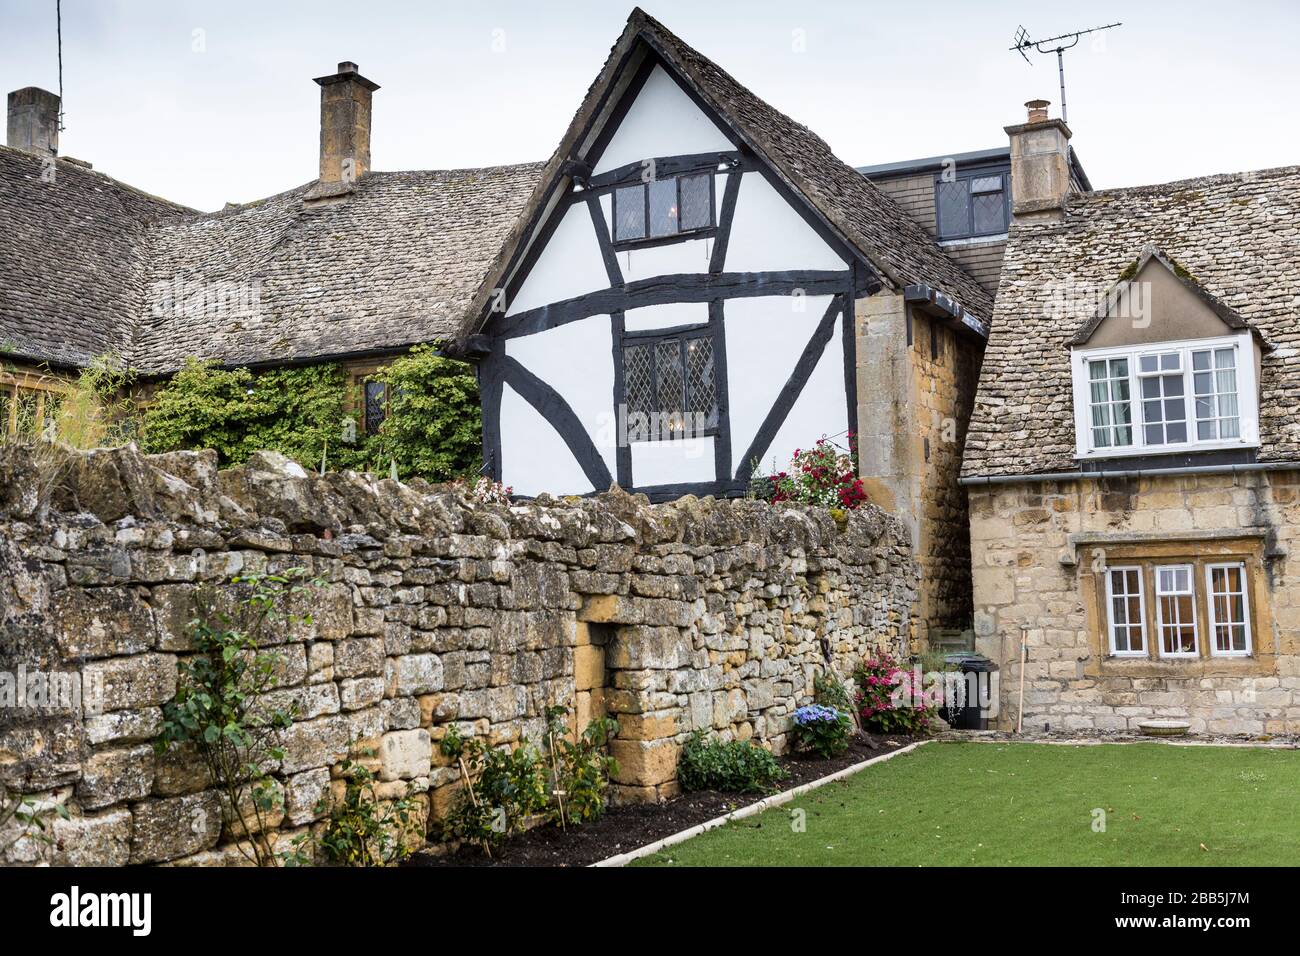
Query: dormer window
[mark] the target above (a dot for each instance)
(1170, 397)
(972, 203)
(663, 208)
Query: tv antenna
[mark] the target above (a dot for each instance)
(1064, 42)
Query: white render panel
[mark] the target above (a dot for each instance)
(672, 462)
(661, 122)
(768, 235)
(665, 316)
(678, 258)
(569, 266)
(821, 408)
(577, 360)
(765, 336)
(534, 458)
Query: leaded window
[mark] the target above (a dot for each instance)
(663, 207)
(669, 385)
(972, 204)
(376, 402)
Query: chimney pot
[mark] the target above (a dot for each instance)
(33, 121)
(1037, 111)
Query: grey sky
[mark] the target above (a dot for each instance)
(1182, 89)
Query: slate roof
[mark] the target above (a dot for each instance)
(865, 216)
(1238, 238)
(90, 266)
(72, 261)
(391, 266)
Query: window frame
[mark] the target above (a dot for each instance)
(1142, 612)
(386, 401)
(1247, 397)
(651, 338)
(967, 176)
(646, 238)
(1190, 568)
(1212, 619)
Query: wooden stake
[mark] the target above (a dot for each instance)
(1024, 652)
(469, 784)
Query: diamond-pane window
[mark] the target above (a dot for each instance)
(668, 371)
(670, 385)
(376, 406)
(663, 207)
(971, 205)
(697, 202)
(954, 208)
(701, 392)
(629, 213)
(638, 381)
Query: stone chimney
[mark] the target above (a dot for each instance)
(34, 121)
(1040, 163)
(344, 131)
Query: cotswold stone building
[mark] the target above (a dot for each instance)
(689, 257)
(1133, 462)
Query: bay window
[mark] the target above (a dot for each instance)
(1153, 399)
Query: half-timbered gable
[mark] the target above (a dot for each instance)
(678, 303)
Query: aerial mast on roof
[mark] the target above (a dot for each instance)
(1025, 44)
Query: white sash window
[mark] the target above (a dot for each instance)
(1166, 397)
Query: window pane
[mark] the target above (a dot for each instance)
(1149, 363)
(1228, 609)
(1175, 601)
(376, 406)
(637, 379)
(1216, 403)
(700, 389)
(954, 209)
(1109, 404)
(629, 213)
(697, 202)
(1125, 586)
(986, 184)
(663, 207)
(668, 370)
(989, 212)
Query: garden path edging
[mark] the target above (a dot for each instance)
(767, 803)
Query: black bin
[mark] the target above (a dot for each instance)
(969, 716)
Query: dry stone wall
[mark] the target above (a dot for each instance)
(432, 610)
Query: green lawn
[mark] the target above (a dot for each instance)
(953, 804)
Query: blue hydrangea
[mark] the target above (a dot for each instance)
(816, 713)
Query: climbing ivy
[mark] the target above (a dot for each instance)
(432, 430)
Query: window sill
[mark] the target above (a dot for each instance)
(958, 241)
(628, 245)
(1147, 451)
(1188, 668)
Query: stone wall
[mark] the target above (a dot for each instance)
(1040, 550)
(916, 389)
(432, 610)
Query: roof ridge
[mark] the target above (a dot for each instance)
(1243, 176)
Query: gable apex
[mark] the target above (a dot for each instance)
(1119, 294)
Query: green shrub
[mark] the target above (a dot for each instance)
(509, 785)
(433, 430)
(824, 731)
(298, 412)
(739, 766)
(829, 692)
(362, 830)
(581, 768)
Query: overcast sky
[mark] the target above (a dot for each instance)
(206, 102)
